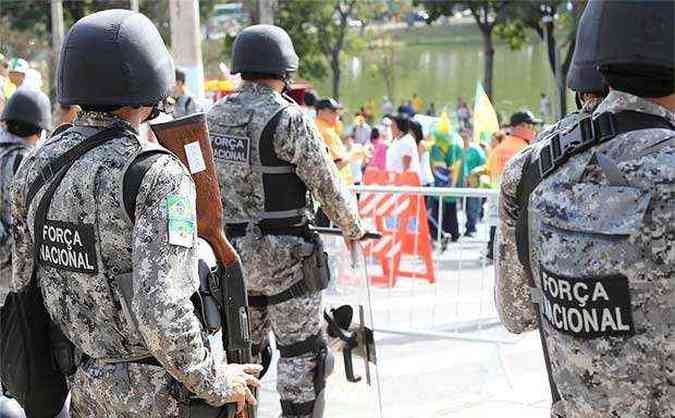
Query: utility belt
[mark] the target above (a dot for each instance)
(315, 270)
(239, 230)
(191, 406)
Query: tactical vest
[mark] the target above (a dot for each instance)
(89, 242)
(575, 239)
(243, 147)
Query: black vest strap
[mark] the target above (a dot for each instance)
(69, 157)
(562, 146)
(61, 168)
(134, 177)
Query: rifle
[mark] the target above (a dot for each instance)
(188, 139)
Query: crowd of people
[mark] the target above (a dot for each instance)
(440, 153)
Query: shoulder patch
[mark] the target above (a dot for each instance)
(182, 220)
(68, 246)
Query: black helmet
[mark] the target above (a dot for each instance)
(635, 32)
(583, 75)
(114, 58)
(264, 49)
(28, 106)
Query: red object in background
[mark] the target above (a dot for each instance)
(297, 91)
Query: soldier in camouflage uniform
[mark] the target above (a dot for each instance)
(26, 116)
(93, 239)
(586, 250)
(269, 155)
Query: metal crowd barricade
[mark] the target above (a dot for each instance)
(460, 300)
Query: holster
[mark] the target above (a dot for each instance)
(315, 271)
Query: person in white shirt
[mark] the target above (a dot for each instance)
(402, 153)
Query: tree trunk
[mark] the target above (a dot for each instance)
(489, 52)
(337, 75)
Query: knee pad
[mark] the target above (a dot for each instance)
(325, 361)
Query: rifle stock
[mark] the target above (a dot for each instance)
(188, 139)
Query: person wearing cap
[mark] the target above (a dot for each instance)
(269, 155)
(18, 68)
(590, 89)
(327, 118)
(585, 249)
(117, 254)
(522, 132)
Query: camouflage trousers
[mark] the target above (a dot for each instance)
(272, 266)
(123, 390)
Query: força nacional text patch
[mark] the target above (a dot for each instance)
(587, 307)
(231, 148)
(68, 246)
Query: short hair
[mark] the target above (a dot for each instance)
(22, 129)
(401, 120)
(374, 133)
(180, 76)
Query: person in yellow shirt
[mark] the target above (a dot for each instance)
(6, 86)
(417, 103)
(327, 120)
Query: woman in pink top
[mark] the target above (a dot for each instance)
(379, 159)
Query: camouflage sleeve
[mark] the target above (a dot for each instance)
(165, 277)
(22, 256)
(298, 141)
(511, 281)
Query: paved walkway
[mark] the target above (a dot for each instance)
(478, 370)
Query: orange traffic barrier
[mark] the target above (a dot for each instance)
(402, 221)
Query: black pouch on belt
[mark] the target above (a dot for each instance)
(194, 407)
(315, 269)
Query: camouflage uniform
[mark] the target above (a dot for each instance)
(271, 261)
(88, 306)
(12, 151)
(587, 228)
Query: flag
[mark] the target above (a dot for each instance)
(484, 117)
